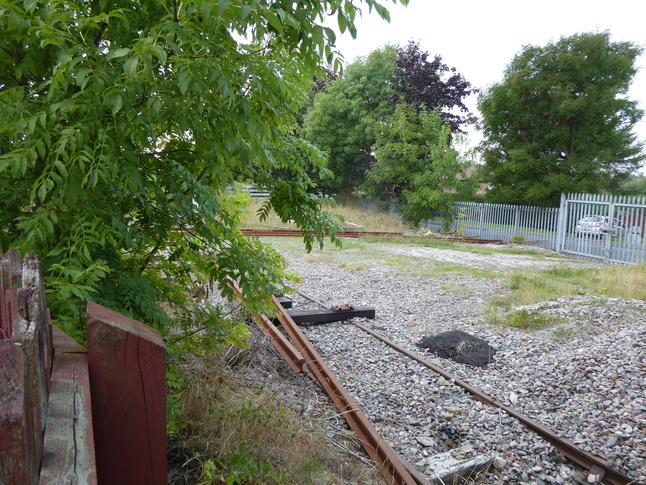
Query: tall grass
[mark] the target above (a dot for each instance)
(242, 429)
(530, 287)
(353, 215)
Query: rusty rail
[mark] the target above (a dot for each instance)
(299, 233)
(292, 357)
(357, 234)
(565, 446)
(392, 466)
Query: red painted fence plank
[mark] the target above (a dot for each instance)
(17, 463)
(68, 444)
(6, 300)
(127, 363)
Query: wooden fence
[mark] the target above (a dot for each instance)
(71, 415)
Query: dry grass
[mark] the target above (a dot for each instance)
(531, 287)
(621, 281)
(353, 215)
(253, 421)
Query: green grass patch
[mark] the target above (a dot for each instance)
(533, 286)
(522, 319)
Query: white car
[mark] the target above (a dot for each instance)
(599, 225)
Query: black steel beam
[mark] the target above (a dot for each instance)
(328, 316)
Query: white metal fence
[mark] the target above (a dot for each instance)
(603, 227)
(502, 222)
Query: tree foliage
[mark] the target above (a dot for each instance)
(635, 186)
(343, 119)
(424, 84)
(124, 122)
(416, 165)
(560, 120)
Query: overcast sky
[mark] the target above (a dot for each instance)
(480, 37)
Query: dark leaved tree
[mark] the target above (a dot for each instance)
(431, 84)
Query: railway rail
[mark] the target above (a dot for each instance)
(354, 234)
(395, 468)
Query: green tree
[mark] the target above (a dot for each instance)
(560, 120)
(124, 122)
(416, 167)
(343, 119)
(635, 186)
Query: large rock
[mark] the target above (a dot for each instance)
(460, 347)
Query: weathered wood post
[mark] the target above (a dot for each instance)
(68, 442)
(127, 362)
(24, 379)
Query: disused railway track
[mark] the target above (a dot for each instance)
(353, 234)
(593, 463)
(394, 468)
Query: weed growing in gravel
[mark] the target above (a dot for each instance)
(528, 321)
(240, 431)
(521, 319)
(534, 286)
(566, 333)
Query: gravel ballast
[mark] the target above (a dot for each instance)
(584, 377)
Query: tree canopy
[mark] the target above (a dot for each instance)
(560, 120)
(424, 84)
(123, 124)
(342, 120)
(416, 165)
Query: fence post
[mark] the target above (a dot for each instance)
(25, 363)
(561, 223)
(17, 463)
(516, 219)
(127, 364)
(481, 227)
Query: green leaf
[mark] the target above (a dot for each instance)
(116, 103)
(61, 168)
(343, 21)
(80, 75)
(222, 6)
(206, 10)
(160, 53)
(115, 53)
(40, 147)
(130, 66)
(330, 35)
(30, 5)
(382, 11)
(42, 192)
(273, 20)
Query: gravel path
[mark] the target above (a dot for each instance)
(585, 378)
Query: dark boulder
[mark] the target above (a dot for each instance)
(460, 347)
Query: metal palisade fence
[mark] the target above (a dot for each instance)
(600, 227)
(501, 222)
(603, 227)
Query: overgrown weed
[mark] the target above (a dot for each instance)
(241, 429)
(533, 286)
(522, 319)
(355, 218)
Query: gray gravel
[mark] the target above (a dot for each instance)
(584, 378)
